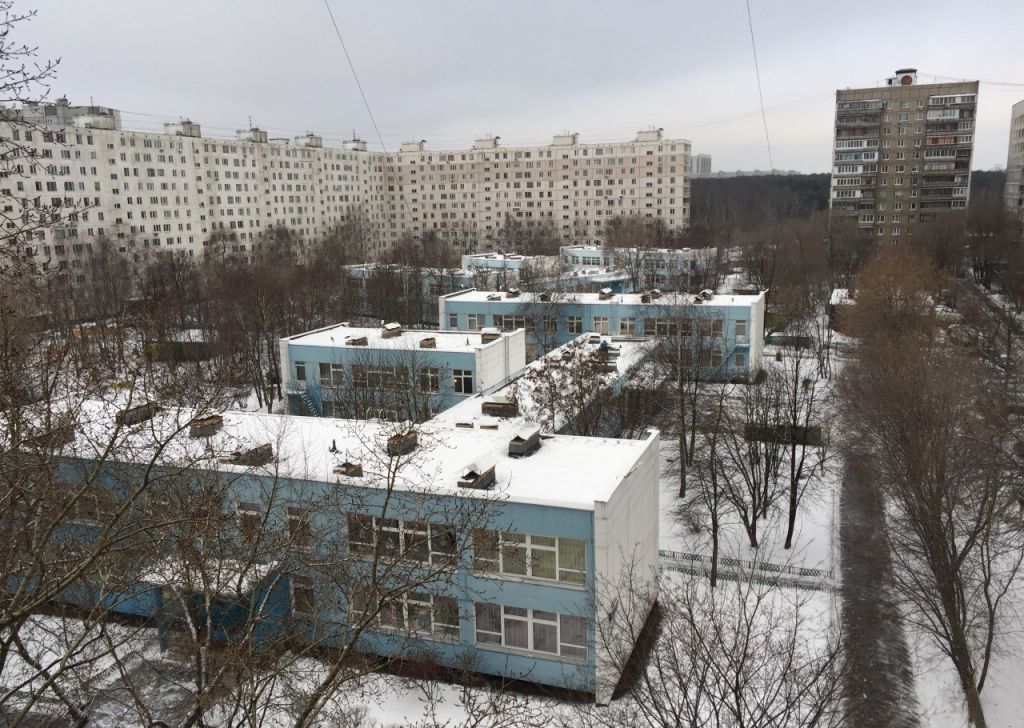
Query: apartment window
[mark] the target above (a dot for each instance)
(740, 359)
(415, 612)
(430, 379)
(627, 326)
(462, 381)
(575, 324)
(716, 357)
(550, 324)
(475, 321)
(303, 596)
(717, 326)
(741, 330)
(601, 324)
(536, 557)
(298, 527)
(300, 371)
(532, 630)
(453, 321)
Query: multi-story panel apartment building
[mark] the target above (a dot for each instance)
(902, 154)
(700, 165)
(176, 190)
(1015, 163)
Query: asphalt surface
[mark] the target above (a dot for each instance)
(879, 687)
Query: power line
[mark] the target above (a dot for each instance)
(352, 68)
(760, 94)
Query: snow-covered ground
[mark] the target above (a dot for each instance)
(812, 541)
(938, 689)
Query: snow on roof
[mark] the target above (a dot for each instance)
(339, 336)
(632, 351)
(666, 299)
(567, 471)
(224, 577)
(840, 296)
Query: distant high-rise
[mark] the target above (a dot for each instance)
(1015, 163)
(902, 154)
(700, 165)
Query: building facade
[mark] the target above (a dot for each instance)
(901, 155)
(1014, 195)
(729, 327)
(174, 191)
(347, 371)
(700, 165)
(539, 566)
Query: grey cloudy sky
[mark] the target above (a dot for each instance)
(449, 71)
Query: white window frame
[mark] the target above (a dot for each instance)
(532, 619)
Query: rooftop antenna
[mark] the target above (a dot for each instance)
(250, 121)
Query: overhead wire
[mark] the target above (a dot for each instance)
(760, 93)
(352, 68)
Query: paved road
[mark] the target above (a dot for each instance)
(880, 688)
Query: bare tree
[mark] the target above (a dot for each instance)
(943, 459)
(741, 654)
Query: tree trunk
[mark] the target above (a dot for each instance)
(682, 442)
(794, 484)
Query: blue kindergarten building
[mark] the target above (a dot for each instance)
(556, 581)
(391, 373)
(731, 327)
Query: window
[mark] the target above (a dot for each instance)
(476, 321)
(378, 377)
(536, 557)
(575, 324)
(627, 326)
(415, 612)
(601, 324)
(716, 357)
(741, 330)
(303, 596)
(250, 519)
(298, 527)
(300, 371)
(332, 375)
(512, 323)
(532, 630)
(462, 381)
(660, 327)
(397, 538)
(430, 379)
(550, 324)
(453, 321)
(741, 360)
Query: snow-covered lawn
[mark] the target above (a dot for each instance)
(938, 690)
(813, 535)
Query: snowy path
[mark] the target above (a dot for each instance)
(880, 684)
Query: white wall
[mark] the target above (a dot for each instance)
(625, 565)
(500, 359)
(757, 334)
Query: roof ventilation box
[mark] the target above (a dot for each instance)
(524, 442)
(478, 478)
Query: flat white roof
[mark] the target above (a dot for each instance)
(631, 352)
(566, 471)
(666, 299)
(335, 336)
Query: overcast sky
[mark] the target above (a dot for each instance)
(449, 71)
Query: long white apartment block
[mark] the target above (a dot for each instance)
(173, 191)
